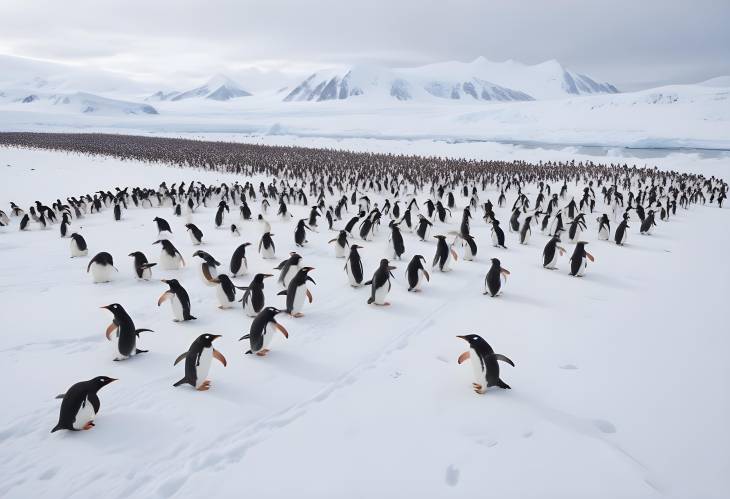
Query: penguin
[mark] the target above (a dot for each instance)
(117, 212)
(296, 291)
(619, 237)
(126, 333)
(578, 262)
(380, 283)
(225, 291)
(300, 233)
(234, 231)
(264, 225)
(163, 228)
(288, 269)
(170, 257)
(415, 273)
(550, 253)
(497, 235)
(142, 268)
(64, 227)
(353, 267)
(340, 243)
(493, 279)
(424, 227)
(470, 247)
(604, 228)
(647, 226)
(78, 245)
(484, 363)
(239, 263)
(179, 301)
(444, 255)
(396, 241)
(577, 226)
(196, 235)
(197, 361)
(101, 267)
(253, 299)
(81, 404)
(208, 271)
(25, 222)
(262, 331)
(266, 246)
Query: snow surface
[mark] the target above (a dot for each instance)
(620, 387)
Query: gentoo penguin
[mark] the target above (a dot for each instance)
(239, 264)
(300, 233)
(647, 226)
(484, 363)
(264, 225)
(117, 212)
(142, 268)
(416, 273)
(170, 257)
(78, 245)
(526, 230)
(163, 228)
(225, 291)
(81, 404)
(576, 228)
(604, 228)
(396, 241)
(578, 262)
(550, 253)
(424, 227)
(197, 361)
(208, 271)
(196, 235)
(493, 279)
(340, 244)
(25, 222)
(444, 255)
(179, 300)
(234, 231)
(266, 246)
(296, 291)
(380, 283)
(262, 330)
(497, 235)
(470, 247)
(288, 268)
(619, 236)
(102, 267)
(64, 227)
(126, 333)
(253, 299)
(353, 267)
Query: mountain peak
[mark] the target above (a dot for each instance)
(221, 80)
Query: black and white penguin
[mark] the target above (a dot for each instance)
(470, 247)
(485, 363)
(497, 235)
(262, 331)
(340, 243)
(353, 267)
(117, 212)
(576, 228)
(170, 257)
(163, 228)
(380, 283)
(102, 267)
(264, 225)
(179, 300)
(126, 333)
(647, 226)
(297, 291)
(550, 253)
(424, 227)
(619, 237)
(493, 279)
(579, 259)
(208, 267)
(198, 359)
(254, 299)
(196, 235)
(444, 255)
(142, 268)
(63, 228)
(604, 228)
(78, 245)
(25, 222)
(234, 231)
(81, 404)
(239, 263)
(300, 233)
(288, 269)
(266, 246)
(416, 273)
(225, 291)
(397, 245)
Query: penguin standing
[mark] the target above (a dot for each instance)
(297, 290)
(142, 268)
(81, 404)
(647, 226)
(254, 299)
(497, 235)
(25, 222)
(196, 235)
(619, 237)
(234, 231)
(262, 331)
(179, 300)
(208, 268)
(117, 212)
(493, 279)
(380, 283)
(396, 241)
(198, 359)
(225, 291)
(416, 273)
(126, 333)
(239, 264)
(353, 267)
(340, 243)
(485, 363)
(266, 246)
(470, 247)
(78, 245)
(170, 257)
(579, 260)
(300, 233)
(102, 267)
(163, 228)
(550, 253)
(604, 228)
(289, 268)
(444, 255)
(424, 227)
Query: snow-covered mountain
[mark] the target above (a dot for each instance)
(74, 102)
(220, 88)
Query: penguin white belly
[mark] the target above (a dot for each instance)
(267, 253)
(381, 293)
(480, 373)
(177, 308)
(168, 262)
(576, 236)
(193, 238)
(222, 297)
(269, 333)
(243, 270)
(248, 308)
(526, 238)
(468, 255)
(420, 277)
(203, 367)
(299, 295)
(351, 277)
(339, 251)
(291, 272)
(86, 413)
(447, 263)
(101, 273)
(75, 251)
(495, 239)
(165, 234)
(213, 274)
(623, 237)
(582, 268)
(146, 274)
(554, 262)
(603, 234)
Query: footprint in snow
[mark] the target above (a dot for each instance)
(604, 426)
(452, 475)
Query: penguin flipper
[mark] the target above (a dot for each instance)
(189, 317)
(60, 396)
(245, 337)
(143, 330)
(368, 283)
(58, 427)
(180, 357)
(281, 293)
(138, 351)
(503, 358)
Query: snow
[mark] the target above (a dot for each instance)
(620, 387)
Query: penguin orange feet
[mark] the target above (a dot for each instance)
(263, 352)
(478, 388)
(204, 387)
(298, 315)
(89, 425)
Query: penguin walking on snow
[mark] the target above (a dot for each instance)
(266, 246)
(239, 264)
(619, 237)
(78, 245)
(579, 260)
(196, 235)
(493, 279)
(198, 359)
(416, 273)
(604, 228)
(142, 268)
(296, 292)
(253, 299)
(497, 235)
(81, 404)
(550, 253)
(485, 363)
(102, 267)
(163, 228)
(179, 300)
(340, 243)
(170, 257)
(262, 331)
(353, 267)
(289, 268)
(380, 283)
(208, 268)
(300, 233)
(444, 255)
(225, 291)
(123, 326)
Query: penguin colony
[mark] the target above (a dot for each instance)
(430, 199)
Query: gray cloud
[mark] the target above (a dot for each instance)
(630, 43)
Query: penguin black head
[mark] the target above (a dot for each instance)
(496, 262)
(171, 282)
(355, 247)
(100, 382)
(136, 254)
(114, 308)
(385, 264)
(475, 341)
(207, 339)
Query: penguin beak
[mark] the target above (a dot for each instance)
(165, 281)
(216, 336)
(105, 306)
(390, 267)
(157, 242)
(463, 338)
(268, 275)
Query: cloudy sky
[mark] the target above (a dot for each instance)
(632, 43)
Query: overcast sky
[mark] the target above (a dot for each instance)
(632, 43)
